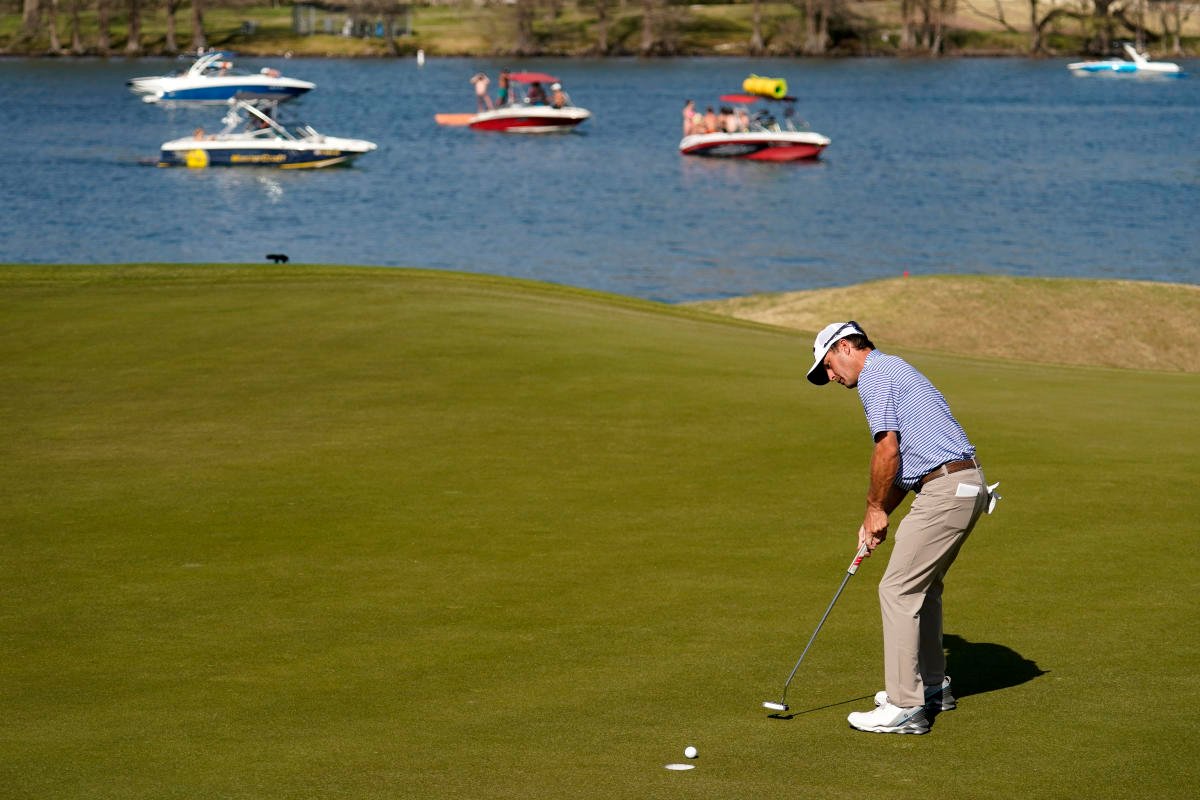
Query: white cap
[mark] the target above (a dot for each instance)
(829, 335)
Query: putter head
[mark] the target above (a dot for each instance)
(775, 706)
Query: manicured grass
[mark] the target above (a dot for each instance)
(334, 532)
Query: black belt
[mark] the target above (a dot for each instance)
(948, 468)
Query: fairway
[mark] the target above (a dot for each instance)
(289, 532)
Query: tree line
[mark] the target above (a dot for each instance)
(59, 21)
(828, 26)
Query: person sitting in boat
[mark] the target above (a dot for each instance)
(537, 95)
(558, 98)
(731, 120)
(710, 120)
(743, 119)
(483, 100)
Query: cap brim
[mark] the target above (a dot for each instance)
(817, 374)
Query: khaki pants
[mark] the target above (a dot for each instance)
(910, 593)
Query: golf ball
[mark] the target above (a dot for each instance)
(690, 751)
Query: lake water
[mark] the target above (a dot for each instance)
(959, 166)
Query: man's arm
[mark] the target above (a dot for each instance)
(883, 495)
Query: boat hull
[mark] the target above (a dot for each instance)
(1137, 65)
(529, 119)
(200, 155)
(756, 146)
(219, 90)
(1123, 69)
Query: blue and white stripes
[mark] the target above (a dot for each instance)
(896, 397)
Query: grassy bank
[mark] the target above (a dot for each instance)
(358, 533)
(1043, 320)
(860, 28)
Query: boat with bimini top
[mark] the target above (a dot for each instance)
(525, 107)
(761, 136)
(253, 137)
(213, 79)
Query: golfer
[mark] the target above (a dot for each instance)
(919, 447)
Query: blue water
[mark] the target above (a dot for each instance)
(957, 166)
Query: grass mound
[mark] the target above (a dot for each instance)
(297, 532)
(1125, 324)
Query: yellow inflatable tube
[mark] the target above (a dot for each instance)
(765, 87)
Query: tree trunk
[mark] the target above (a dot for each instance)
(602, 26)
(389, 36)
(76, 41)
(198, 40)
(939, 27)
(134, 45)
(907, 40)
(1140, 38)
(756, 37)
(169, 45)
(1103, 40)
(815, 28)
(1035, 32)
(1177, 49)
(649, 37)
(823, 31)
(52, 25)
(31, 20)
(103, 37)
(525, 45)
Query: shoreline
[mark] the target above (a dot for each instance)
(245, 52)
(572, 29)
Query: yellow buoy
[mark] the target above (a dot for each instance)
(197, 159)
(765, 87)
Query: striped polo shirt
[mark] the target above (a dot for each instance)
(896, 397)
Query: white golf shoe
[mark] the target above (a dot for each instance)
(888, 718)
(937, 698)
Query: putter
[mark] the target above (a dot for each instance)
(853, 568)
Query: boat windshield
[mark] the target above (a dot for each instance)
(765, 120)
(255, 122)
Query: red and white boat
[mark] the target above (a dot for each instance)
(528, 110)
(762, 137)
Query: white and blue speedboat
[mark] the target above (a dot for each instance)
(1137, 65)
(214, 79)
(252, 137)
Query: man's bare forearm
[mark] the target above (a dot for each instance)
(883, 495)
(885, 464)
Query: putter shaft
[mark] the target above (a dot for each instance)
(853, 568)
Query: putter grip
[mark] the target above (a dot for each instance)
(858, 559)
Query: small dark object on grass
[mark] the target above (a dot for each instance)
(278, 258)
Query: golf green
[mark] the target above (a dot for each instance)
(298, 532)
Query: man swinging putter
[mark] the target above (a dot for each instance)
(919, 447)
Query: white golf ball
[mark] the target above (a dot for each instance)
(690, 751)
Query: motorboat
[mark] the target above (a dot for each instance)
(253, 137)
(527, 110)
(762, 136)
(212, 78)
(1137, 64)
